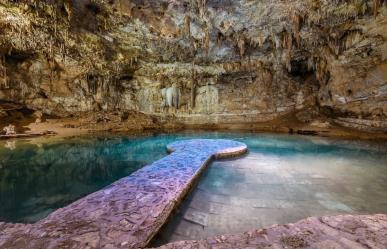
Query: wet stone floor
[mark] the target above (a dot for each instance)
(280, 185)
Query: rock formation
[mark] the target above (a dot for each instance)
(9, 130)
(245, 61)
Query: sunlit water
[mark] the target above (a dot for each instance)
(282, 179)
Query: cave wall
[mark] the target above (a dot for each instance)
(244, 61)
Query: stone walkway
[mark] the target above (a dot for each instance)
(129, 212)
(334, 232)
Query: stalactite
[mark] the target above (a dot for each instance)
(375, 7)
(69, 9)
(50, 48)
(206, 39)
(193, 87)
(288, 58)
(241, 47)
(6, 85)
(276, 41)
(55, 24)
(92, 84)
(202, 7)
(66, 36)
(51, 74)
(261, 39)
(287, 43)
(187, 26)
(219, 39)
(311, 63)
(120, 7)
(253, 43)
(23, 88)
(352, 39)
(4, 74)
(296, 19)
(21, 37)
(322, 74)
(63, 51)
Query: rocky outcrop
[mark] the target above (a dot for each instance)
(337, 232)
(228, 59)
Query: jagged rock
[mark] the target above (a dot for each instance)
(256, 57)
(342, 231)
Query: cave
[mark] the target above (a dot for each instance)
(128, 124)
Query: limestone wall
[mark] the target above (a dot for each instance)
(226, 57)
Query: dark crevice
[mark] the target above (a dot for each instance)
(126, 78)
(15, 58)
(300, 69)
(95, 9)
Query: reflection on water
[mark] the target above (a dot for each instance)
(10, 145)
(283, 179)
(36, 179)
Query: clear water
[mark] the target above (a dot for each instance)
(282, 179)
(38, 176)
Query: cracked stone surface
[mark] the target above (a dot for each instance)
(129, 212)
(333, 232)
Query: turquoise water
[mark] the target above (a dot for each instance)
(282, 180)
(39, 176)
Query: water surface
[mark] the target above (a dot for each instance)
(38, 176)
(282, 179)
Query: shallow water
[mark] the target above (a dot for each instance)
(38, 176)
(283, 179)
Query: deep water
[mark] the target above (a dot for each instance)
(280, 173)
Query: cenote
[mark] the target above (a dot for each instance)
(282, 179)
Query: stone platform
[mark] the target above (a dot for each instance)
(332, 232)
(129, 212)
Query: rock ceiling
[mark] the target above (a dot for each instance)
(257, 59)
